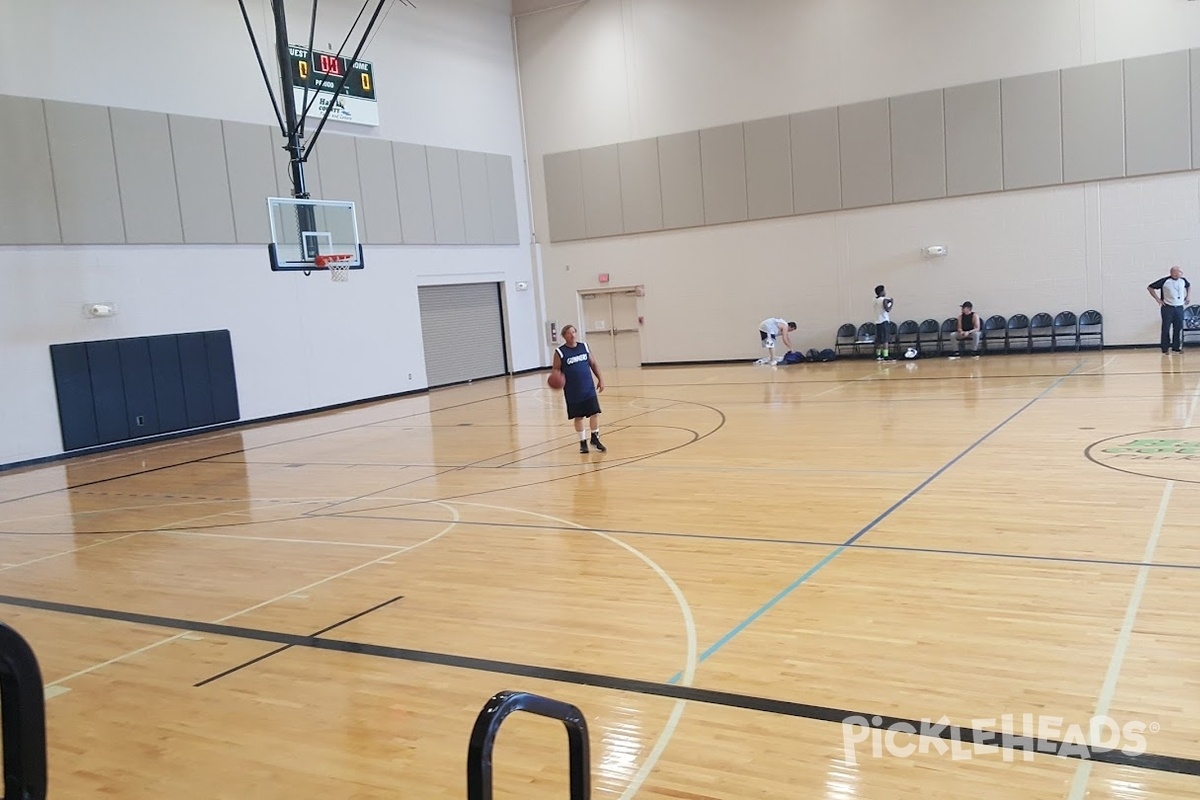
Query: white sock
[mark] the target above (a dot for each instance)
(583, 436)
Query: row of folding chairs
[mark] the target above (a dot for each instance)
(1016, 334)
(1191, 324)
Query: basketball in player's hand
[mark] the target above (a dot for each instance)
(556, 380)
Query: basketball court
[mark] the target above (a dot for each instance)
(768, 571)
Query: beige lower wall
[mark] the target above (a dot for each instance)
(1061, 248)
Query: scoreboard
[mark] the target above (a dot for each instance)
(321, 73)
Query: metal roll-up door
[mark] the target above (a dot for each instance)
(463, 329)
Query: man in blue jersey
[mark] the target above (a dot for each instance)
(574, 360)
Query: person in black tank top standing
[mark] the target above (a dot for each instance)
(575, 361)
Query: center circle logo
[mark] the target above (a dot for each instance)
(1171, 454)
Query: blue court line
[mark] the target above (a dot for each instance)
(767, 606)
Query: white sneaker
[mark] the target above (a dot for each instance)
(763, 361)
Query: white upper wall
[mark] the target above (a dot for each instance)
(445, 75)
(598, 72)
(603, 71)
(439, 68)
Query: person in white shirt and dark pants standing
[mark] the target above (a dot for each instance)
(1172, 294)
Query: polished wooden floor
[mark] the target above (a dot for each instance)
(320, 607)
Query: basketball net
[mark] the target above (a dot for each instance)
(338, 266)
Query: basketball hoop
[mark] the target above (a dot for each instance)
(338, 265)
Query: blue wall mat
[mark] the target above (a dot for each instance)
(76, 411)
(197, 385)
(141, 409)
(220, 369)
(108, 391)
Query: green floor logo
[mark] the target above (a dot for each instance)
(1172, 454)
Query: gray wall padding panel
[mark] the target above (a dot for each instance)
(866, 149)
(1158, 126)
(97, 175)
(380, 209)
(31, 215)
(816, 161)
(446, 193)
(203, 181)
(1194, 57)
(476, 199)
(146, 177)
(641, 189)
(251, 179)
(338, 161)
(1123, 118)
(85, 173)
(412, 184)
(601, 171)
(564, 196)
(974, 152)
(918, 146)
(723, 174)
(503, 195)
(1093, 122)
(679, 170)
(768, 168)
(1031, 116)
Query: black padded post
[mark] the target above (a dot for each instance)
(487, 725)
(22, 719)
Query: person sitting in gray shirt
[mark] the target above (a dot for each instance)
(968, 326)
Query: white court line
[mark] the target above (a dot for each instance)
(1103, 364)
(106, 541)
(1108, 690)
(395, 552)
(280, 501)
(68, 552)
(689, 623)
(842, 385)
(280, 540)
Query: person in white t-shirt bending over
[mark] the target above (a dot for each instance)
(770, 330)
(1173, 294)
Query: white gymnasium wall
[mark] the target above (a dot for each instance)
(606, 71)
(445, 75)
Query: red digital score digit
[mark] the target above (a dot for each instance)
(331, 65)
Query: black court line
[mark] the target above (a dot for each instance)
(610, 424)
(572, 444)
(611, 462)
(679, 468)
(789, 542)
(908, 376)
(784, 593)
(953, 733)
(401, 485)
(279, 650)
(250, 425)
(253, 424)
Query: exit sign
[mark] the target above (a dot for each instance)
(604, 277)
